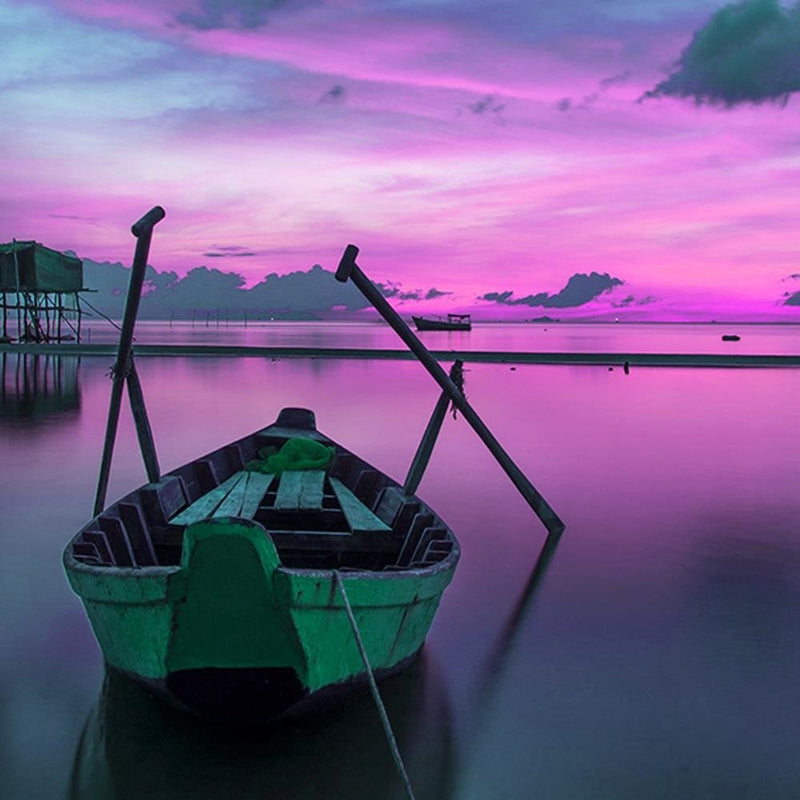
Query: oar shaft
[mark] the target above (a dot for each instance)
(349, 269)
(143, 231)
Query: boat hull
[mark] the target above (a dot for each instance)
(233, 634)
(423, 324)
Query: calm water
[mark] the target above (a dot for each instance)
(559, 337)
(657, 655)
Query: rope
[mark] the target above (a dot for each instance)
(387, 728)
(98, 311)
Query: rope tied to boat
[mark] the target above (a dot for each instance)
(387, 727)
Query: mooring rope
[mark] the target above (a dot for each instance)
(98, 311)
(387, 728)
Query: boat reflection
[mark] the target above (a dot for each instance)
(134, 746)
(35, 386)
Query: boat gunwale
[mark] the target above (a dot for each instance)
(164, 571)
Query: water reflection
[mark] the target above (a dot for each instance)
(520, 613)
(743, 583)
(39, 387)
(134, 746)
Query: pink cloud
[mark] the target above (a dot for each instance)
(449, 156)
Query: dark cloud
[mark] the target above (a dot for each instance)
(203, 289)
(393, 290)
(434, 293)
(580, 289)
(632, 300)
(73, 217)
(228, 254)
(248, 14)
(315, 289)
(748, 52)
(566, 104)
(231, 249)
(335, 94)
(613, 80)
(486, 104)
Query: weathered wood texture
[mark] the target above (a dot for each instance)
(300, 491)
(358, 516)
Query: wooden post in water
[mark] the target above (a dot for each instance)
(143, 231)
(349, 269)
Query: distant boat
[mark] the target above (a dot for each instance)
(454, 322)
(220, 587)
(730, 337)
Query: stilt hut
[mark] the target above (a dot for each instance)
(39, 292)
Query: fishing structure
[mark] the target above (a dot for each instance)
(39, 293)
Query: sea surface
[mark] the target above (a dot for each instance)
(652, 652)
(560, 337)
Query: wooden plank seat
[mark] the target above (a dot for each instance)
(300, 490)
(238, 496)
(299, 498)
(359, 518)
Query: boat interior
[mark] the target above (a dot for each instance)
(348, 516)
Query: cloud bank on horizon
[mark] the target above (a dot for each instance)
(462, 146)
(203, 290)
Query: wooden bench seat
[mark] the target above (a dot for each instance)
(298, 493)
(300, 490)
(359, 518)
(238, 496)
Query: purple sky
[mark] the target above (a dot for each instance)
(472, 146)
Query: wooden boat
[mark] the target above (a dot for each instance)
(226, 590)
(454, 322)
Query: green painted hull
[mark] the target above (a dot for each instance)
(230, 612)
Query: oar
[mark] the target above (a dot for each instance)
(349, 269)
(143, 231)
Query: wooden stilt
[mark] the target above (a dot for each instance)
(80, 314)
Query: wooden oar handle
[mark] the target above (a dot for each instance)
(346, 264)
(148, 221)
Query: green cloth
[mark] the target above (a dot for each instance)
(296, 454)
